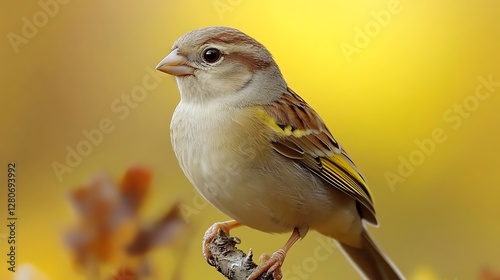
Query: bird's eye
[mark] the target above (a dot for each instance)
(211, 55)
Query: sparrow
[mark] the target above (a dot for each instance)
(259, 153)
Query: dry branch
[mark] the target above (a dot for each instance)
(231, 261)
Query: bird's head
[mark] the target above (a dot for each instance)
(214, 62)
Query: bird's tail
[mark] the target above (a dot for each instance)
(371, 261)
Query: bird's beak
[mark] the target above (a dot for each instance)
(174, 64)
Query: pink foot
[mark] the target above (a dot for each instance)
(272, 264)
(211, 233)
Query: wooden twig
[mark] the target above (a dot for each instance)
(230, 261)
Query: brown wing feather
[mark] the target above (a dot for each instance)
(308, 141)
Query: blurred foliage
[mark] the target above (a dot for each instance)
(109, 229)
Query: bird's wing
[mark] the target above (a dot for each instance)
(303, 137)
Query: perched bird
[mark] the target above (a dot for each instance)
(260, 154)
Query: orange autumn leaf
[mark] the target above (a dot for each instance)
(488, 274)
(109, 229)
(124, 273)
(159, 233)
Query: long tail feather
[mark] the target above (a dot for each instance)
(371, 261)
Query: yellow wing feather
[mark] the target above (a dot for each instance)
(303, 137)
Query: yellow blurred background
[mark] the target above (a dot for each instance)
(410, 88)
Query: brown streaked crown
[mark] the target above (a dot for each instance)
(237, 45)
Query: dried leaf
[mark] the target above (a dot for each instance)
(160, 233)
(109, 228)
(488, 274)
(125, 273)
(106, 215)
(133, 188)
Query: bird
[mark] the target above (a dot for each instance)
(259, 153)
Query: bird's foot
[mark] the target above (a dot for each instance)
(271, 264)
(211, 233)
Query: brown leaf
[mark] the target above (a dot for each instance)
(125, 273)
(161, 232)
(134, 186)
(109, 229)
(488, 274)
(106, 215)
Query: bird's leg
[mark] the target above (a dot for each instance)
(212, 232)
(272, 264)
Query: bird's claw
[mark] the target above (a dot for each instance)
(209, 236)
(271, 264)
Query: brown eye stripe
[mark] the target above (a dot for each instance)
(250, 62)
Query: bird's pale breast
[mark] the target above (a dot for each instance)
(227, 156)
